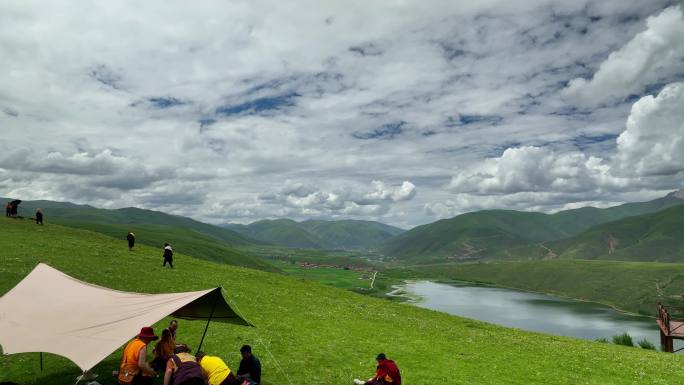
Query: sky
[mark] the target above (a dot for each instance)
(404, 112)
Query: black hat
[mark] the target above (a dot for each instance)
(246, 349)
(381, 356)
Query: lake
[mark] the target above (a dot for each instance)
(531, 311)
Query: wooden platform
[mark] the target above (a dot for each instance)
(670, 329)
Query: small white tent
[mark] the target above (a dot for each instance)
(49, 311)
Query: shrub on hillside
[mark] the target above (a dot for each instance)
(646, 344)
(602, 340)
(623, 339)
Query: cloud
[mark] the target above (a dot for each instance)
(652, 56)
(649, 152)
(220, 105)
(534, 169)
(653, 141)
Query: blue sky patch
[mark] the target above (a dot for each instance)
(387, 131)
(269, 103)
(465, 120)
(165, 102)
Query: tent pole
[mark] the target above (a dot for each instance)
(218, 292)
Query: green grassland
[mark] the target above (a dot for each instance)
(317, 334)
(185, 241)
(633, 286)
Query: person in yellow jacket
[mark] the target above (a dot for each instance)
(216, 371)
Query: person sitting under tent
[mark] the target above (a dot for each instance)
(134, 369)
(163, 350)
(250, 367)
(216, 370)
(183, 369)
(168, 255)
(173, 327)
(387, 373)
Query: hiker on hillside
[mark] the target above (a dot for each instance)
(250, 367)
(168, 255)
(8, 210)
(14, 207)
(216, 371)
(387, 373)
(182, 369)
(39, 217)
(131, 240)
(163, 350)
(134, 366)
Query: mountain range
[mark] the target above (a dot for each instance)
(507, 234)
(646, 231)
(319, 234)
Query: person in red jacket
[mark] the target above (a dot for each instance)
(387, 373)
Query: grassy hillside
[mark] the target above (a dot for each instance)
(632, 286)
(473, 235)
(183, 241)
(318, 334)
(59, 211)
(330, 235)
(282, 232)
(505, 234)
(351, 234)
(153, 228)
(649, 237)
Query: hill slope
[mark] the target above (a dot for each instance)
(317, 234)
(152, 228)
(492, 233)
(57, 211)
(649, 237)
(317, 334)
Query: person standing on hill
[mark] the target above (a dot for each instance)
(387, 373)
(250, 367)
(168, 255)
(134, 366)
(131, 240)
(8, 210)
(39, 217)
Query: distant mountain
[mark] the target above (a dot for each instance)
(152, 228)
(317, 234)
(501, 233)
(649, 237)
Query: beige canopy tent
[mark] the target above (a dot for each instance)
(49, 311)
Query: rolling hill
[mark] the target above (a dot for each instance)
(310, 333)
(505, 234)
(655, 237)
(318, 234)
(152, 228)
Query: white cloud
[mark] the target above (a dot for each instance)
(220, 105)
(653, 141)
(534, 169)
(652, 56)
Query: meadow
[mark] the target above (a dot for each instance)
(309, 333)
